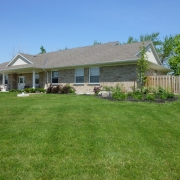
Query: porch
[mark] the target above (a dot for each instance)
(15, 80)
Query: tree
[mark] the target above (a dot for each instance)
(96, 42)
(166, 49)
(42, 50)
(142, 65)
(131, 40)
(174, 61)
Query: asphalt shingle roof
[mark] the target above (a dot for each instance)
(101, 53)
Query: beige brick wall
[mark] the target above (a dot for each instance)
(124, 75)
(12, 81)
(109, 76)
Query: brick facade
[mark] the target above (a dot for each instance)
(124, 75)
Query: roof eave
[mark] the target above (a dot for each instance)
(159, 67)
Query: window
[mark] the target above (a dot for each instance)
(36, 78)
(6, 79)
(79, 75)
(94, 75)
(55, 75)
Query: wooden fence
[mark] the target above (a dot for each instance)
(169, 82)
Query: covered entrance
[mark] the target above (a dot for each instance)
(21, 82)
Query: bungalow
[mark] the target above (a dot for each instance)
(84, 67)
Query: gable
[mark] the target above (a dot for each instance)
(151, 54)
(19, 60)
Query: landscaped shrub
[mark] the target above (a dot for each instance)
(13, 90)
(30, 90)
(146, 93)
(19, 91)
(48, 90)
(97, 89)
(107, 88)
(119, 96)
(137, 96)
(54, 89)
(150, 97)
(41, 90)
(68, 89)
(170, 95)
(164, 95)
(59, 89)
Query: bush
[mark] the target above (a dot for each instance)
(59, 89)
(41, 90)
(30, 90)
(138, 96)
(97, 89)
(170, 95)
(48, 90)
(119, 96)
(164, 96)
(150, 97)
(68, 89)
(54, 89)
(13, 90)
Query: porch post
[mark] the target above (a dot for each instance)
(33, 80)
(3, 82)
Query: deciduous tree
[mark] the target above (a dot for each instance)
(174, 61)
(42, 50)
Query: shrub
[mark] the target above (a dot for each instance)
(137, 92)
(48, 90)
(68, 89)
(138, 96)
(59, 89)
(54, 89)
(41, 90)
(13, 90)
(119, 96)
(20, 91)
(107, 88)
(170, 95)
(97, 89)
(161, 90)
(164, 96)
(117, 89)
(150, 97)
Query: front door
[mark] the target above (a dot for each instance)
(21, 82)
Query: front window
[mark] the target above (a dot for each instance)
(94, 75)
(36, 78)
(55, 75)
(79, 75)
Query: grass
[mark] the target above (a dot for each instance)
(51, 136)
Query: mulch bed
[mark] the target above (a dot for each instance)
(135, 100)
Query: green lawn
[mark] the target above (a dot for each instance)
(52, 136)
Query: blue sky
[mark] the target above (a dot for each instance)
(56, 24)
